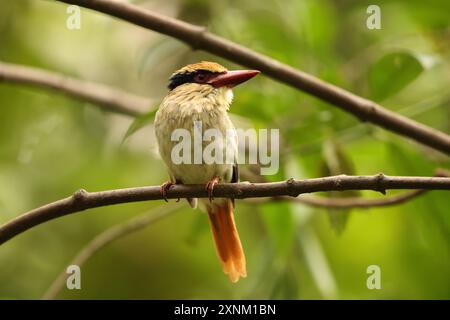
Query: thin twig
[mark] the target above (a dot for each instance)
(111, 99)
(341, 203)
(83, 200)
(199, 38)
(345, 203)
(105, 238)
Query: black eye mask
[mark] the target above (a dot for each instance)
(186, 77)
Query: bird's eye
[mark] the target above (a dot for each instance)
(200, 77)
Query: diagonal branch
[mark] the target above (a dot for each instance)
(198, 38)
(111, 99)
(105, 238)
(83, 200)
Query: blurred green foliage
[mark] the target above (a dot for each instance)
(392, 73)
(51, 145)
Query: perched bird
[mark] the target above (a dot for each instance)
(202, 92)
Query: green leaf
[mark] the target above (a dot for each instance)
(140, 122)
(336, 162)
(279, 222)
(286, 286)
(198, 228)
(392, 73)
(159, 51)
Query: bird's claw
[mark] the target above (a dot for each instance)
(164, 187)
(210, 187)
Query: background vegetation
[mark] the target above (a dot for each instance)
(51, 145)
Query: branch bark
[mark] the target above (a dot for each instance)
(198, 38)
(111, 99)
(83, 200)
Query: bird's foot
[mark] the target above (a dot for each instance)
(210, 187)
(164, 187)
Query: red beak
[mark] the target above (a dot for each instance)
(232, 78)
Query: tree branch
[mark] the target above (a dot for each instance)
(111, 99)
(346, 203)
(105, 238)
(137, 223)
(83, 200)
(343, 203)
(198, 38)
(144, 220)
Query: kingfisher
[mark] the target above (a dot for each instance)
(202, 93)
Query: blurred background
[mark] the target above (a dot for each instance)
(52, 145)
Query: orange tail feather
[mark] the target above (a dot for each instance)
(226, 237)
